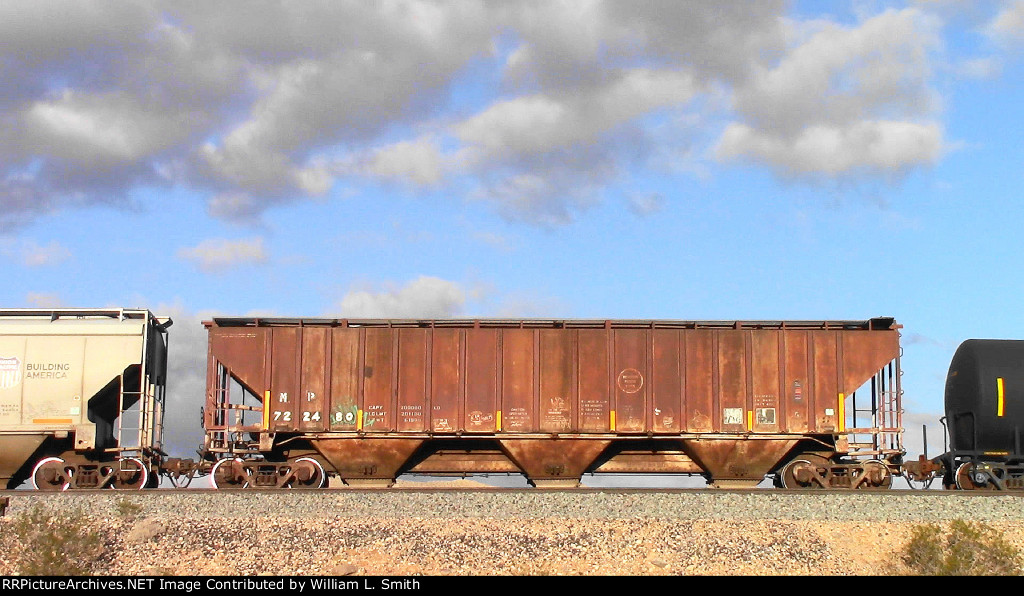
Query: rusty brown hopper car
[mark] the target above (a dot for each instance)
(292, 401)
(81, 397)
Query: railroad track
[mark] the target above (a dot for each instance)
(708, 492)
(406, 488)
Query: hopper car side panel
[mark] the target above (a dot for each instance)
(412, 381)
(595, 405)
(714, 393)
(447, 355)
(482, 381)
(700, 386)
(518, 372)
(667, 399)
(796, 384)
(343, 382)
(379, 376)
(631, 384)
(313, 409)
(826, 382)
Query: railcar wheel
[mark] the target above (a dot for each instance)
(803, 472)
(307, 473)
(228, 473)
(966, 479)
(130, 473)
(51, 474)
(878, 475)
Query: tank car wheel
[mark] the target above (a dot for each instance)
(51, 474)
(130, 473)
(227, 477)
(802, 472)
(307, 473)
(965, 479)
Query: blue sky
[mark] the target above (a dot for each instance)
(671, 160)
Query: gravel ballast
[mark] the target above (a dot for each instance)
(480, 532)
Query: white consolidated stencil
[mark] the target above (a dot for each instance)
(732, 415)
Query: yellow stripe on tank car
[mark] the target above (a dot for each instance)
(52, 421)
(359, 420)
(842, 412)
(613, 420)
(1000, 410)
(750, 420)
(497, 422)
(266, 410)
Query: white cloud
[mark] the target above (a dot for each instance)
(494, 240)
(237, 206)
(549, 197)
(578, 86)
(844, 101)
(418, 161)
(35, 255)
(218, 254)
(227, 100)
(539, 158)
(879, 146)
(424, 297)
(1008, 26)
(428, 297)
(646, 203)
(538, 124)
(261, 108)
(314, 179)
(346, 73)
(527, 124)
(43, 300)
(251, 105)
(980, 68)
(570, 44)
(95, 129)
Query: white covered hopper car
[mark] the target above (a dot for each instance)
(81, 397)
